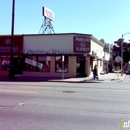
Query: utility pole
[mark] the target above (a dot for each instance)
(122, 56)
(11, 70)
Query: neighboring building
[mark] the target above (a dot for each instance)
(49, 55)
(5, 45)
(107, 56)
(107, 51)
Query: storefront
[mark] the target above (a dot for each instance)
(51, 55)
(5, 46)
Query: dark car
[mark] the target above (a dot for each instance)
(127, 71)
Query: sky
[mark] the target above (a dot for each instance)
(104, 19)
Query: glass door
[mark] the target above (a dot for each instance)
(80, 67)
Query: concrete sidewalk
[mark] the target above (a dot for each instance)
(110, 77)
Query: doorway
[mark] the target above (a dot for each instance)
(18, 65)
(81, 67)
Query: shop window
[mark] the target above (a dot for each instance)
(61, 66)
(30, 63)
(5, 63)
(45, 61)
(38, 64)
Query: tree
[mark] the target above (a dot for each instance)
(117, 50)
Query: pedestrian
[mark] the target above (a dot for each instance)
(95, 73)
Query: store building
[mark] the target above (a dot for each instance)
(50, 55)
(5, 46)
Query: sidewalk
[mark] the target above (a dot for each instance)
(110, 77)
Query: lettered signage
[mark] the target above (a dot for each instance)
(34, 63)
(81, 44)
(5, 45)
(48, 13)
(45, 52)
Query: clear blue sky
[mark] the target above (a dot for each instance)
(104, 19)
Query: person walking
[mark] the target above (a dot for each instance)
(95, 73)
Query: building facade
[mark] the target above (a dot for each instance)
(107, 58)
(51, 55)
(5, 46)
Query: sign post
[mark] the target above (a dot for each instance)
(118, 59)
(63, 67)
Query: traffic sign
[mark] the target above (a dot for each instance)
(118, 59)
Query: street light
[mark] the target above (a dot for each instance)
(122, 52)
(11, 70)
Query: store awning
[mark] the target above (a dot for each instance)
(90, 55)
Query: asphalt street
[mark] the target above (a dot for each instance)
(63, 106)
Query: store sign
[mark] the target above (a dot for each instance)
(34, 63)
(81, 44)
(46, 52)
(5, 45)
(48, 13)
(7, 49)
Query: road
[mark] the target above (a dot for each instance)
(63, 106)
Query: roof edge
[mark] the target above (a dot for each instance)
(58, 34)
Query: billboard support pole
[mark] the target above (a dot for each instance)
(46, 27)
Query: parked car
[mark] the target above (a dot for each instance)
(127, 71)
(126, 68)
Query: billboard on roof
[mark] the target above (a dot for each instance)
(48, 13)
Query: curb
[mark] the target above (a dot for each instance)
(106, 79)
(76, 81)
